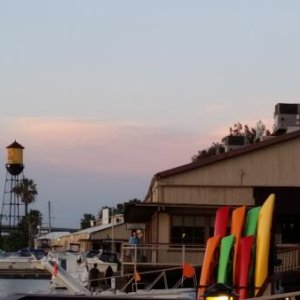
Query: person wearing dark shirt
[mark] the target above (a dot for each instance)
(108, 274)
(93, 277)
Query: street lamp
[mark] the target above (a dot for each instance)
(220, 291)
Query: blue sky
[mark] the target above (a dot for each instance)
(104, 94)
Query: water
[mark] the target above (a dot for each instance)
(27, 286)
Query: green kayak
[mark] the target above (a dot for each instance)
(225, 260)
(251, 221)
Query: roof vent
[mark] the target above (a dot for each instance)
(286, 116)
(234, 142)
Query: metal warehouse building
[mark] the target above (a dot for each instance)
(181, 202)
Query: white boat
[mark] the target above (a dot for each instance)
(20, 260)
(102, 258)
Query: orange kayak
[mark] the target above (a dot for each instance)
(210, 261)
(237, 228)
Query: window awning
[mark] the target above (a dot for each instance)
(139, 212)
(143, 212)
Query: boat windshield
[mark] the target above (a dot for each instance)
(108, 257)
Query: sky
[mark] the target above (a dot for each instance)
(105, 94)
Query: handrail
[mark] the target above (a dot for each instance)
(160, 254)
(288, 258)
(70, 282)
(277, 296)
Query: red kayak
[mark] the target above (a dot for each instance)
(221, 222)
(244, 259)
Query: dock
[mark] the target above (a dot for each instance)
(24, 274)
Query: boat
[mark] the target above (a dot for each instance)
(210, 262)
(225, 261)
(72, 269)
(237, 228)
(221, 222)
(263, 240)
(20, 260)
(102, 258)
(244, 262)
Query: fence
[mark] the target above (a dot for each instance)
(160, 255)
(288, 258)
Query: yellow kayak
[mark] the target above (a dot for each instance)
(263, 239)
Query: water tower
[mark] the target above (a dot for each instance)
(10, 211)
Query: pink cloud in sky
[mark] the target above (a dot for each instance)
(98, 147)
(101, 147)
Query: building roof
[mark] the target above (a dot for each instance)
(271, 141)
(53, 235)
(96, 228)
(15, 145)
(233, 153)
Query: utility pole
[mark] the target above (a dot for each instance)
(112, 232)
(49, 215)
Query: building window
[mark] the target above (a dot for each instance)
(187, 230)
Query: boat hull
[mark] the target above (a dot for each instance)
(16, 263)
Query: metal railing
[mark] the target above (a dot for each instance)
(288, 258)
(285, 296)
(160, 255)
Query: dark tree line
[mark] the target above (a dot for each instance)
(251, 134)
(88, 219)
(23, 234)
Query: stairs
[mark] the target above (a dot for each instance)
(73, 285)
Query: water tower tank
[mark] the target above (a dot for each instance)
(14, 158)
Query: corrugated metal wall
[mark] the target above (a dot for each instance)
(231, 181)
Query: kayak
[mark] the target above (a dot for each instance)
(251, 230)
(221, 222)
(251, 221)
(225, 261)
(210, 262)
(244, 260)
(263, 240)
(237, 228)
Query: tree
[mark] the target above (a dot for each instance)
(23, 235)
(214, 149)
(252, 135)
(86, 221)
(119, 209)
(26, 190)
(29, 225)
(14, 241)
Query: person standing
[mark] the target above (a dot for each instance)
(134, 240)
(94, 276)
(108, 274)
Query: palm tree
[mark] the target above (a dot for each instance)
(26, 190)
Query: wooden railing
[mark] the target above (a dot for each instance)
(161, 254)
(288, 258)
(285, 296)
